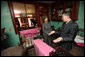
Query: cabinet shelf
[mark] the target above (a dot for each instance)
(64, 6)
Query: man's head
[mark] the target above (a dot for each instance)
(65, 17)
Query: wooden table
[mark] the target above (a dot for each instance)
(60, 51)
(41, 48)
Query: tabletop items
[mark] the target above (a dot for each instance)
(29, 33)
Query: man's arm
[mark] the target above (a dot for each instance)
(57, 32)
(60, 29)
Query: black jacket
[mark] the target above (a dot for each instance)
(68, 33)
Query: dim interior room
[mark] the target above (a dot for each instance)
(23, 32)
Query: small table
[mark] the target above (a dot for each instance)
(79, 40)
(27, 36)
(41, 48)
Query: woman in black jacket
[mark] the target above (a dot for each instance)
(46, 27)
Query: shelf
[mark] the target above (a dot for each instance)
(25, 17)
(66, 6)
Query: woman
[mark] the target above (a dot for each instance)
(46, 27)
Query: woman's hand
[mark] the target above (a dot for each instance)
(51, 32)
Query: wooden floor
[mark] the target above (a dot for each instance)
(76, 51)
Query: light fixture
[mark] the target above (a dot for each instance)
(17, 12)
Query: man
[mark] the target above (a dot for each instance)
(68, 32)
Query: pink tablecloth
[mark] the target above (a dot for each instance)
(41, 48)
(30, 32)
(80, 44)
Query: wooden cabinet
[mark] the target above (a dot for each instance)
(26, 10)
(23, 9)
(64, 6)
(43, 10)
(23, 12)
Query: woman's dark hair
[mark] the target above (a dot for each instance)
(44, 17)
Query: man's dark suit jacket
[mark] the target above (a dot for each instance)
(68, 33)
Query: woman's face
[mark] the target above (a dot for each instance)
(46, 19)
